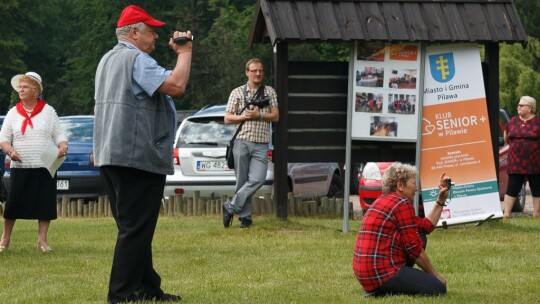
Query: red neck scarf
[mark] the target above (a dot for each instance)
(27, 121)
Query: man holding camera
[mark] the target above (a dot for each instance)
(253, 106)
(134, 130)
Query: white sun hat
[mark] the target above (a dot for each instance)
(16, 79)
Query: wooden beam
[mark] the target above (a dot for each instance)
(492, 96)
(281, 186)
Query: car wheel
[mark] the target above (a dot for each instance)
(519, 205)
(336, 186)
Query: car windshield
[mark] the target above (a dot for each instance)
(78, 129)
(209, 131)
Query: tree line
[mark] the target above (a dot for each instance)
(63, 40)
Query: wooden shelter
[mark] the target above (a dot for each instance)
(313, 95)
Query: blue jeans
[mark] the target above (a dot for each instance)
(250, 166)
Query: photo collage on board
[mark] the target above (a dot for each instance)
(385, 89)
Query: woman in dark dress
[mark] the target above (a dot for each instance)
(522, 133)
(27, 129)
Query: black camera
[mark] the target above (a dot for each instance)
(182, 40)
(258, 102)
(449, 183)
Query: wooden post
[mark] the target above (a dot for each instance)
(91, 206)
(80, 204)
(196, 197)
(290, 203)
(312, 207)
(298, 206)
(212, 207)
(85, 210)
(72, 209)
(100, 206)
(190, 206)
(324, 205)
(170, 206)
(339, 206)
(107, 206)
(332, 206)
(256, 204)
(178, 204)
(65, 202)
(268, 208)
(201, 205)
(96, 204)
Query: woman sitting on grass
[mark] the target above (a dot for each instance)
(392, 239)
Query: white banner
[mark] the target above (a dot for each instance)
(456, 136)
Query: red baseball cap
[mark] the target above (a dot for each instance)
(134, 14)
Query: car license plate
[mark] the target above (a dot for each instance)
(212, 166)
(62, 184)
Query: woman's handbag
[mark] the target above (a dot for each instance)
(229, 155)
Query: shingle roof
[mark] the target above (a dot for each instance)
(479, 21)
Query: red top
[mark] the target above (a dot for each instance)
(388, 237)
(524, 141)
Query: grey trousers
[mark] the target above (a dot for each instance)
(250, 166)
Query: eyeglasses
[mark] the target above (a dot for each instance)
(522, 105)
(255, 71)
(25, 87)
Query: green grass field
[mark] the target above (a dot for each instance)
(296, 261)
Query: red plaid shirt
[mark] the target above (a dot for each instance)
(388, 237)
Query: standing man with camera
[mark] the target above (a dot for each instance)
(135, 121)
(253, 106)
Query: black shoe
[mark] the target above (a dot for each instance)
(245, 222)
(167, 297)
(227, 216)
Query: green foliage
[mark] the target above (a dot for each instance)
(519, 76)
(295, 261)
(64, 41)
(528, 13)
(12, 46)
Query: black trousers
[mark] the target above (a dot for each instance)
(412, 281)
(135, 198)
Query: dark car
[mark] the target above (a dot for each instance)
(77, 177)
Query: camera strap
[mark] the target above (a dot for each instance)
(258, 94)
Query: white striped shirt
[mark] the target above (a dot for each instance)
(30, 146)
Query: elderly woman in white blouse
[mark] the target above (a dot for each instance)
(29, 127)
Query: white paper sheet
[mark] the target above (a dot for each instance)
(50, 160)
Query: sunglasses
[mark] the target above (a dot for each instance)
(522, 105)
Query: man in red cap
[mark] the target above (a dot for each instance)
(135, 121)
